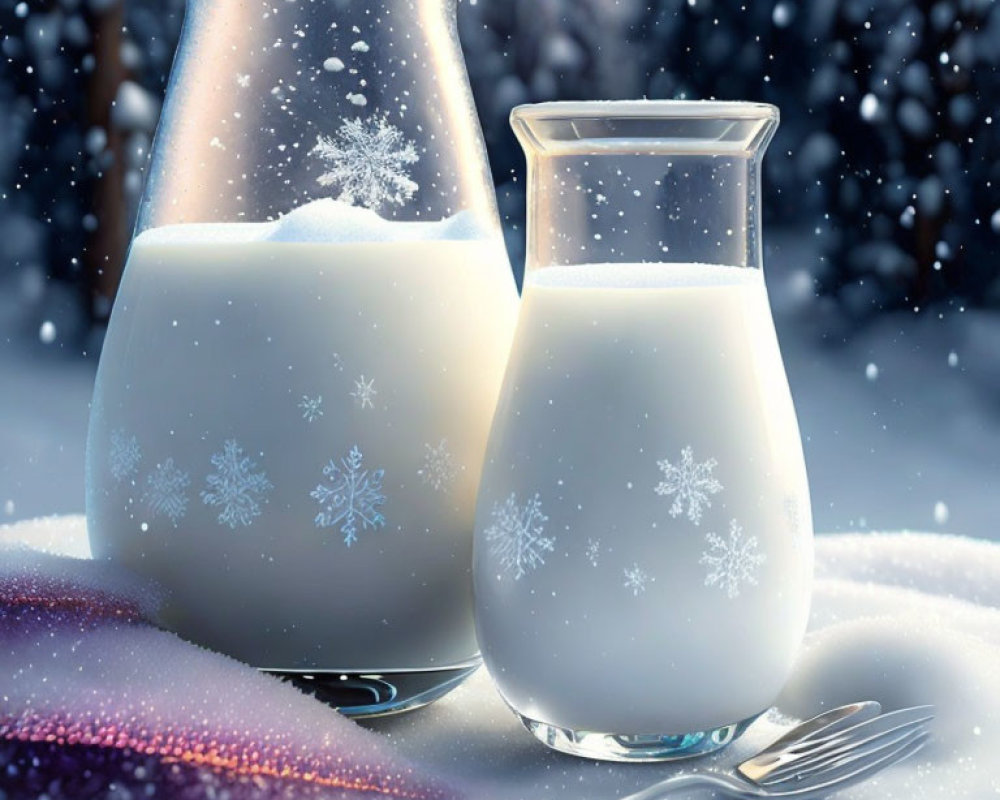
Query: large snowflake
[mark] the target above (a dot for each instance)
(368, 160)
(364, 392)
(690, 483)
(353, 496)
(439, 468)
(732, 562)
(166, 491)
(124, 456)
(235, 486)
(515, 536)
(312, 407)
(636, 579)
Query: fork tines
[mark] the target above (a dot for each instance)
(869, 745)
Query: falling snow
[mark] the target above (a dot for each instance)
(731, 562)
(368, 161)
(166, 491)
(235, 487)
(439, 468)
(690, 483)
(515, 536)
(354, 495)
(636, 579)
(364, 392)
(312, 407)
(593, 551)
(124, 456)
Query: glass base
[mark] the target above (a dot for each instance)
(377, 694)
(634, 747)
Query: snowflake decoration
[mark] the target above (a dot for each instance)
(636, 579)
(690, 483)
(515, 536)
(368, 160)
(439, 468)
(312, 407)
(165, 491)
(593, 551)
(354, 495)
(242, 80)
(364, 392)
(731, 562)
(235, 487)
(338, 362)
(124, 456)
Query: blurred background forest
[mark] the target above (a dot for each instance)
(881, 198)
(887, 149)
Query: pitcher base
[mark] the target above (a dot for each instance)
(634, 747)
(377, 694)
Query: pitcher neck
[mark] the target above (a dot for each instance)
(644, 181)
(275, 105)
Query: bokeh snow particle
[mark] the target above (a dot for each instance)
(869, 107)
(783, 14)
(995, 221)
(47, 332)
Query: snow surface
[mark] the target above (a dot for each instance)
(904, 619)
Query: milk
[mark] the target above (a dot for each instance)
(643, 545)
(288, 430)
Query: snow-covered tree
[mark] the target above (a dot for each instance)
(887, 147)
(909, 91)
(79, 92)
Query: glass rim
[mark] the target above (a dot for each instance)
(646, 109)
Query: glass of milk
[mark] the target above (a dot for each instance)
(643, 551)
(304, 357)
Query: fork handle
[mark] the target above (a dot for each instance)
(722, 784)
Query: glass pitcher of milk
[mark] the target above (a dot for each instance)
(302, 364)
(643, 551)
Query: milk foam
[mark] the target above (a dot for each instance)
(324, 221)
(665, 275)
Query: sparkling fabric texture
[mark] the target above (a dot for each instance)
(96, 701)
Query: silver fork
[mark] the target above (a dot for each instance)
(823, 755)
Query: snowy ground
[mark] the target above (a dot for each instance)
(902, 619)
(911, 442)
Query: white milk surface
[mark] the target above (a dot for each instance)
(644, 545)
(288, 429)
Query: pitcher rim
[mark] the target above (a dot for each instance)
(646, 109)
